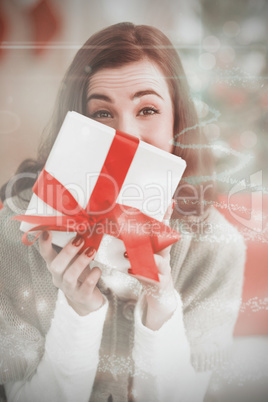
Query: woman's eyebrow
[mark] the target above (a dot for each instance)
(100, 97)
(139, 94)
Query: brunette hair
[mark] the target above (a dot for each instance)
(115, 46)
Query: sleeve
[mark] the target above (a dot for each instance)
(34, 349)
(175, 362)
(68, 367)
(210, 281)
(162, 358)
(21, 333)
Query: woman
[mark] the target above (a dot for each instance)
(77, 333)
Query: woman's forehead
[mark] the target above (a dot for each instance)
(141, 73)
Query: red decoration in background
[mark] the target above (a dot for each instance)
(46, 24)
(253, 315)
(225, 92)
(264, 101)
(3, 31)
(44, 20)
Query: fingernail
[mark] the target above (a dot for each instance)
(90, 251)
(130, 271)
(173, 204)
(77, 241)
(125, 254)
(45, 235)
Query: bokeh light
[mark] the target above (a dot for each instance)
(9, 122)
(231, 29)
(211, 43)
(212, 131)
(207, 61)
(227, 54)
(248, 139)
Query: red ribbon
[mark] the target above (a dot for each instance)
(142, 235)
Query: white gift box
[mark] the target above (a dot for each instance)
(76, 160)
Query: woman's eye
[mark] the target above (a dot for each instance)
(147, 111)
(101, 114)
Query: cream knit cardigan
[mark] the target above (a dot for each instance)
(207, 269)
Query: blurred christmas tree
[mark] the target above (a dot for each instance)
(231, 86)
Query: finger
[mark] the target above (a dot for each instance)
(90, 279)
(165, 253)
(89, 289)
(74, 275)
(45, 247)
(169, 211)
(65, 257)
(162, 263)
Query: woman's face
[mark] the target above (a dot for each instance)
(134, 99)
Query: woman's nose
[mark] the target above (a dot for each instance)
(129, 126)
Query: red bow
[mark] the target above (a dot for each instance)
(142, 235)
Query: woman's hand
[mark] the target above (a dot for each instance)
(161, 301)
(71, 273)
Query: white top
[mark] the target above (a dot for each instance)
(68, 367)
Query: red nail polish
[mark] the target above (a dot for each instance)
(90, 251)
(45, 235)
(173, 204)
(125, 254)
(77, 241)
